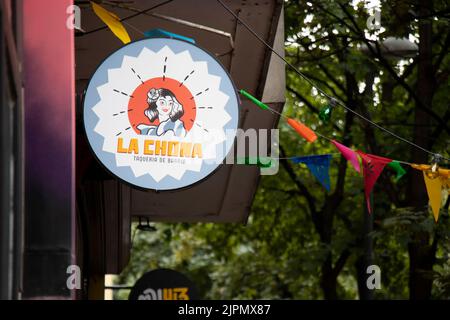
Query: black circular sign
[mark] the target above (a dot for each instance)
(164, 284)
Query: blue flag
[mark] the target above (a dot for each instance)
(161, 33)
(319, 165)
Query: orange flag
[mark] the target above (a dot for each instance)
(302, 130)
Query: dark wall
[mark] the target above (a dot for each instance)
(11, 155)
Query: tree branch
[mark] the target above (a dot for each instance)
(331, 77)
(437, 132)
(377, 53)
(442, 54)
(309, 104)
(310, 199)
(340, 263)
(324, 83)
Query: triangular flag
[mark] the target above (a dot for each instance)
(372, 168)
(319, 165)
(400, 172)
(302, 130)
(434, 187)
(112, 21)
(261, 162)
(161, 33)
(348, 154)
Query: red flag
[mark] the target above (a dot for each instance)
(372, 168)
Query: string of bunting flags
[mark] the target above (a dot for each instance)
(436, 179)
(325, 113)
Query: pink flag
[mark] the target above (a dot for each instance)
(348, 154)
(372, 168)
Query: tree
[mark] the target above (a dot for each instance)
(302, 242)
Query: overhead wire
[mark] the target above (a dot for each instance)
(331, 98)
(296, 70)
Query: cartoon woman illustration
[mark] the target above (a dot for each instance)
(164, 106)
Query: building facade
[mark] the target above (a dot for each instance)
(60, 211)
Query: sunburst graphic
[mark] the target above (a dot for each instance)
(124, 101)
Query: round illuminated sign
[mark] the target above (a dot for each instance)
(161, 113)
(164, 284)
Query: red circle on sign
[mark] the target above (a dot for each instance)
(138, 103)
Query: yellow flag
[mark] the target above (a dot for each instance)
(434, 187)
(112, 21)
